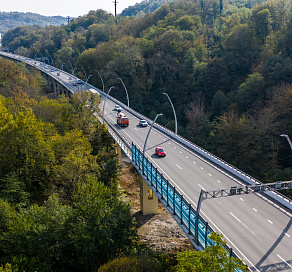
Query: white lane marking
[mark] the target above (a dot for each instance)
(180, 152)
(159, 136)
(209, 174)
(242, 223)
(174, 147)
(168, 143)
(201, 187)
(201, 167)
(219, 181)
(255, 209)
(270, 222)
(287, 234)
(136, 129)
(187, 157)
(241, 199)
(284, 260)
(235, 217)
(178, 166)
(194, 162)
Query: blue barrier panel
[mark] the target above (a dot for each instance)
(181, 208)
(164, 188)
(158, 185)
(185, 213)
(153, 177)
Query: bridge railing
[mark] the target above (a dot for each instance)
(175, 202)
(207, 156)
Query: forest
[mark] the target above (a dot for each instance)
(61, 206)
(226, 65)
(13, 19)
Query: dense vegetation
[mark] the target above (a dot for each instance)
(61, 207)
(225, 65)
(13, 19)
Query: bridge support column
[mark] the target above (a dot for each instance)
(148, 199)
(118, 151)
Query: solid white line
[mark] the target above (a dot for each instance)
(235, 217)
(178, 166)
(201, 187)
(284, 260)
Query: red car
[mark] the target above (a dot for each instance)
(160, 151)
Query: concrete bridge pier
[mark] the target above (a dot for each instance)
(118, 151)
(148, 199)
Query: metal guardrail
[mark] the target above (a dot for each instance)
(176, 203)
(166, 192)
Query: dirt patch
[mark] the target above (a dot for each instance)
(160, 231)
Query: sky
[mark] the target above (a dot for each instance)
(72, 8)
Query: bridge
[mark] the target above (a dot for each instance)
(256, 226)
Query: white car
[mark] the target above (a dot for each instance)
(118, 108)
(143, 123)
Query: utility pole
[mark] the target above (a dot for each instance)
(115, 3)
(68, 19)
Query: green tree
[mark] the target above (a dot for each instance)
(103, 226)
(213, 258)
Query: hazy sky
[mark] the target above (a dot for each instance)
(72, 8)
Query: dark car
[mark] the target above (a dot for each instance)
(160, 151)
(143, 123)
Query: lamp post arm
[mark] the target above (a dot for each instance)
(126, 91)
(84, 71)
(175, 120)
(147, 139)
(104, 102)
(101, 80)
(288, 139)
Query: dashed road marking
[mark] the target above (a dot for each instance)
(178, 166)
(270, 221)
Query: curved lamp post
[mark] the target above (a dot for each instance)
(105, 101)
(87, 81)
(147, 139)
(125, 90)
(288, 139)
(101, 80)
(73, 69)
(173, 112)
(62, 64)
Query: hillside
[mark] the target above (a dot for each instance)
(13, 19)
(226, 67)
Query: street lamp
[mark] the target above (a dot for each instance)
(125, 90)
(62, 64)
(105, 101)
(101, 80)
(147, 139)
(73, 69)
(288, 139)
(87, 81)
(173, 112)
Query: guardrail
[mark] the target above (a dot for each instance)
(285, 201)
(176, 203)
(166, 192)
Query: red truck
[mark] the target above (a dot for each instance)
(122, 120)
